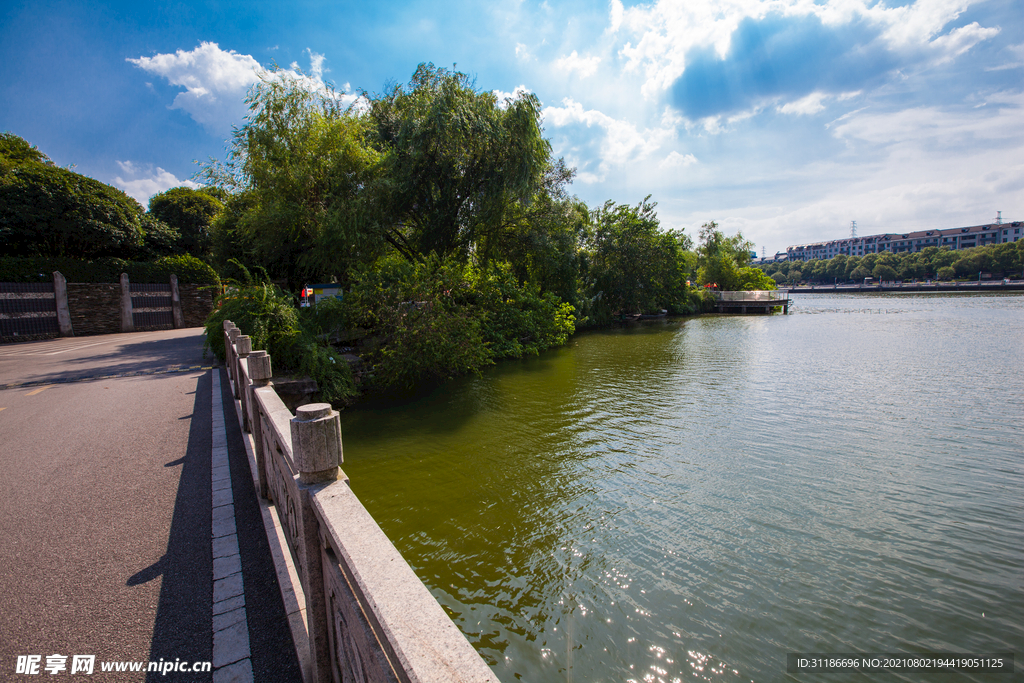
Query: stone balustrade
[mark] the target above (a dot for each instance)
(369, 617)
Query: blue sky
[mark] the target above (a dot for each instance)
(784, 119)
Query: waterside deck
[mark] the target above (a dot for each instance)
(761, 301)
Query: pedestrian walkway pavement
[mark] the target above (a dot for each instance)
(131, 531)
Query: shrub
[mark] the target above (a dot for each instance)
(269, 317)
(40, 269)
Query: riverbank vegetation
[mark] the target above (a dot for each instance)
(437, 208)
(442, 215)
(934, 263)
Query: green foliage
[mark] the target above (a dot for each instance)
(998, 259)
(720, 258)
(884, 273)
(456, 160)
(50, 211)
(946, 273)
(305, 171)
(517, 319)
(190, 213)
(269, 317)
(753, 279)
(634, 267)
(158, 238)
(15, 150)
(40, 269)
(421, 333)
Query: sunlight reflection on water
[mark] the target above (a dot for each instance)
(697, 498)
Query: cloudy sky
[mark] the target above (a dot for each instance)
(783, 119)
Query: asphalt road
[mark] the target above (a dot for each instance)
(105, 508)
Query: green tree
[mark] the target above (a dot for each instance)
(884, 273)
(190, 212)
(719, 257)
(456, 160)
(836, 268)
(308, 175)
(158, 238)
(422, 331)
(753, 279)
(52, 211)
(15, 151)
(634, 266)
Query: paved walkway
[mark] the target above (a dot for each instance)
(124, 471)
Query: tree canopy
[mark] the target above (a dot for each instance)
(190, 213)
(50, 211)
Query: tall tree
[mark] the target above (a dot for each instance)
(303, 162)
(456, 160)
(635, 267)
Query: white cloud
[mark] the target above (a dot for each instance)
(217, 81)
(622, 141)
(810, 104)
(664, 32)
(959, 41)
(504, 97)
(615, 15)
(677, 160)
(586, 66)
(141, 183)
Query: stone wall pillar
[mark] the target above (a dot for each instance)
(316, 449)
(176, 315)
(60, 299)
(127, 324)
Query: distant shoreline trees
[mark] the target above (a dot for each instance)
(935, 263)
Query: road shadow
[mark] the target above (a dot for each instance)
(184, 618)
(270, 639)
(134, 358)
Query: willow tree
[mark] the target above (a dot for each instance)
(304, 165)
(456, 160)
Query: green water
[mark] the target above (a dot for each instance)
(697, 498)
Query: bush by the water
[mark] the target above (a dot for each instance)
(437, 319)
(270, 319)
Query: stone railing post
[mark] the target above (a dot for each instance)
(127, 324)
(176, 315)
(229, 351)
(317, 453)
(243, 347)
(60, 299)
(233, 334)
(260, 373)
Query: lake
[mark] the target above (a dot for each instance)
(699, 497)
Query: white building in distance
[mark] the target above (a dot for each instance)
(952, 238)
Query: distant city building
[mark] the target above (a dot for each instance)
(953, 238)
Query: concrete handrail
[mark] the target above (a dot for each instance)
(369, 617)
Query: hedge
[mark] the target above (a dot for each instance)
(188, 268)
